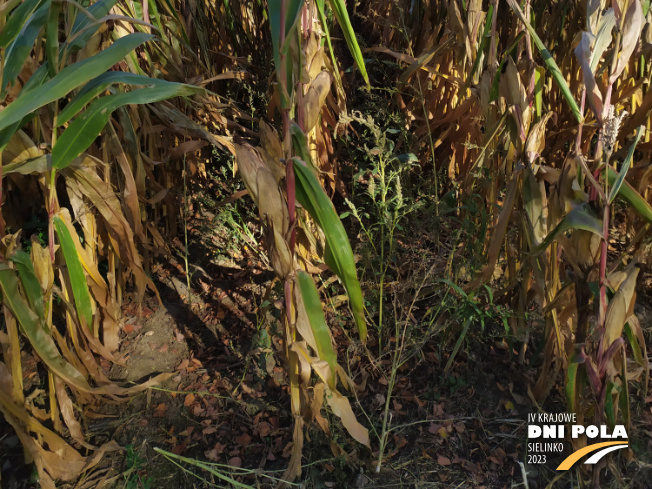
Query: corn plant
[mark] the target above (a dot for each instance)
(505, 106)
(283, 179)
(55, 103)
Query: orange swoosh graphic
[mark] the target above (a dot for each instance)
(574, 457)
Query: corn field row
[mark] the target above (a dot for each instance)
(540, 109)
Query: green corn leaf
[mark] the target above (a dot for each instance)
(315, 313)
(69, 78)
(322, 20)
(571, 383)
(40, 340)
(618, 183)
(633, 342)
(76, 272)
(549, 62)
(631, 196)
(16, 21)
(342, 16)
(337, 254)
(581, 217)
(539, 82)
(38, 78)
(21, 47)
(292, 11)
(52, 37)
(31, 285)
(98, 85)
(81, 133)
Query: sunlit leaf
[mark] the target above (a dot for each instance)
(342, 409)
(311, 302)
(75, 271)
(338, 254)
(69, 78)
(342, 16)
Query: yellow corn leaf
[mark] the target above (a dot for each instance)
(130, 191)
(278, 250)
(620, 308)
(271, 202)
(249, 162)
(19, 150)
(42, 267)
(593, 94)
(536, 139)
(318, 90)
(270, 141)
(342, 409)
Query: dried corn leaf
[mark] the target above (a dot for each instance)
(631, 31)
(620, 308)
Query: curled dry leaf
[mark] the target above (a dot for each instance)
(631, 32)
(620, 307)
(536, 139)
(342, 409)
(594, 96)
(314, 99)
